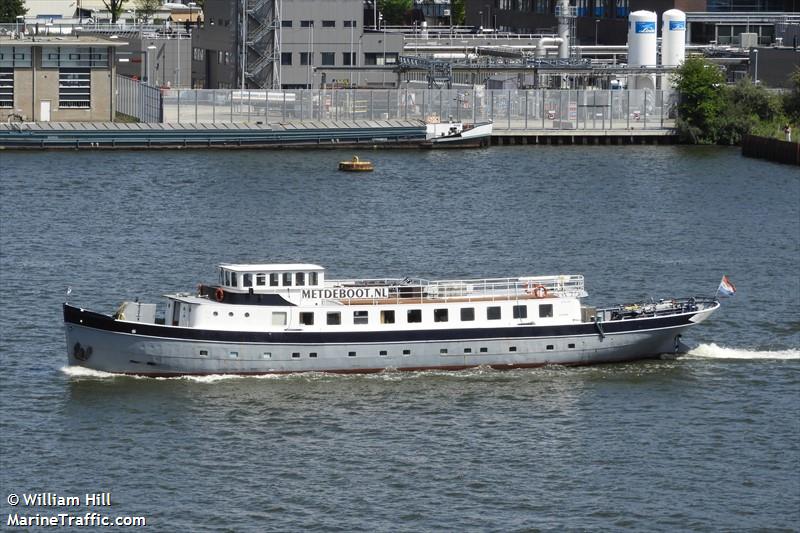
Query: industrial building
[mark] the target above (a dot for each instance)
(57, 78)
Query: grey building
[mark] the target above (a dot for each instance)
(291, 44)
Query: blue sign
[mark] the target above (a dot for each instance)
(677, 25)
(645, 27)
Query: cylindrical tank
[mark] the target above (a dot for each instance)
(642, 41)
(673, 37)
(563, 13)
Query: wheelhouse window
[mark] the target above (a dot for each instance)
(307, 319)
(313, 278)
(414, 315)
(273, 280)
(247, 280)
(261, 279)
(287, 279)
(360, 317)
(520, 311)
(440, 315)
(467, 314)
(227, 278)
(300, 279)
(493, 313)
(334, 319)
(387, 317)
(545, 310)
(279, 318)
(234, 282)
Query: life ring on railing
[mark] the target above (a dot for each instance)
(219, 294)
(538, 291)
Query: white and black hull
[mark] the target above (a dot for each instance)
(103, 343)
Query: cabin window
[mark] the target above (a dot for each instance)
(493, 313)
(279, 318)
(387, 317)
(512, 348)
(406, 352)
(266, 355)
(313, 279)
(215, 313)
(261, 279)
(545, 310)
(571, 345)
(440, 315)
(414, 315)
(234, 355)
(383, 353)
(312, 355)
(360, 317)
(443, 351)
(247, 280)
(273, 280)
(334, 319)
(467, 314)
(484, 350)
(307, 319)
(550, 346)
(300, 279)
(295, 355)
(287, 279)
(221, 277)
(467, 350)
(351, 354)
(204, 353)
(227, 278)
(234, 283)
(520, 311)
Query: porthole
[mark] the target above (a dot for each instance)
(216, 314)
(247, 315)
(230, 313)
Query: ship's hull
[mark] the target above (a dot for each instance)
(101, 343)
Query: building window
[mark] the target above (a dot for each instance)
(377, 58)
(304, 58)
(334, 319)
(387, 317)
(6, 87)
(493, 313)
(348, 58)
(467, 314)
(220, 57)
(350, 24)
(414, 315)
(286, 58)
(440, 315)
(279, 318)
(307, 319)
(198, 54)
(328, 58)
(520, 311)
(328, 23)
(306, 23)
(286, 24)
(74, 88)
(360, 317)
(545, 310)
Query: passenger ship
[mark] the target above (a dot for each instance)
(281, 318)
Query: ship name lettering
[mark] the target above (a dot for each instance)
(380, 292)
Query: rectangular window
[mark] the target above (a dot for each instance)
(279, 318)
(328, 23)
(234, 355)
(306, 23)
(220, 57)
(348, 58)
(414, 315)
(247, 280)
(307, 319)
(350, 24)
(287, 279)
(304, 58)
(484, 350)
(383, 353)
(328, 58)
(443, 351)
(571, 345)
(204, 353)
(227, 278)
(406, 352)
(467, 350)
(312, 355)
(334, 319)
(286, 58)
(520, 311)
(286, 24)
(360, 317)
(387, 317)
(351, 354)
(273, 280)
(512, 348)
(545, 310)
(440, 315)
(550, 346)
(493, 313)
(6, 87)
(467, 314)
(378, 58)
(261, 279)
(266, 355)
(74, 88)
(300, 278)
(295, 355)
(234, 283)
(313, 278)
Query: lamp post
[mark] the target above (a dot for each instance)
(755, 56)
(191, 5)
(147, 63)
(596, 23)
(18, 18)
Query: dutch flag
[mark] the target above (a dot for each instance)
(726, 288)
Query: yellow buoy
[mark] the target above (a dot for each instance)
(356, 165)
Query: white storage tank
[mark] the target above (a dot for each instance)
(642, 39)
(673, 37)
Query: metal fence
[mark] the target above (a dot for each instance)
(139, 100)
(509, 109)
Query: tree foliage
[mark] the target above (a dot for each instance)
(145, 9)
(791, 99)
(114, 7)
(10, 10)
(700, 85)
(459, 12)
(395, 12)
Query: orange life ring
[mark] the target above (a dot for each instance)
(538, 291)
(219, 294)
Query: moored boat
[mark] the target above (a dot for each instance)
(280, 318)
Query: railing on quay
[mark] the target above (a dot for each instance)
(508, 109)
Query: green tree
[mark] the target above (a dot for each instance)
(145, 9)
(791, 99)
(701, 86)
(114, 7)
(459, 12)
(10, 10)
(395, 12)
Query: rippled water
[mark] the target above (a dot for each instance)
(705, 442)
